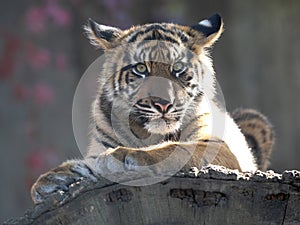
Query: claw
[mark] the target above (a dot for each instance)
(84, 171)
(61, 179)
(131, 163)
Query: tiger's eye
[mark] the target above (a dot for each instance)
(141, 68)
(178, 66)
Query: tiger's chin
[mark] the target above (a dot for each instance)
(162, 126)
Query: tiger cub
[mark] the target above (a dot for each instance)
(156, 103)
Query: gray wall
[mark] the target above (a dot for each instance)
(256, 60)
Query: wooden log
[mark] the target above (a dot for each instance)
(214, 195)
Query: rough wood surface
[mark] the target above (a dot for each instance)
(213, 195)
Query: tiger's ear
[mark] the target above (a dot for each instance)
(209, 29)
(102, 36)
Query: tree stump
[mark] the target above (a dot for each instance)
(214, 195)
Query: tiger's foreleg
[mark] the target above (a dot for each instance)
(159, 160)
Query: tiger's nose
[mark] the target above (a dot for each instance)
(162, 105)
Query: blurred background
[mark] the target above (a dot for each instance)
(43, 54)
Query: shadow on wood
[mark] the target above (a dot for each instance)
(213, 195)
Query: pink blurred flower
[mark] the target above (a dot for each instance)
(43, 94)
(38, 58)
(11, 46)
(59, 15)
(20, 91)
(61, 61)
(39, 161)
(35, 19)
(42, 159)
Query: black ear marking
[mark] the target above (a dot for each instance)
(209, 26)
(103, 32)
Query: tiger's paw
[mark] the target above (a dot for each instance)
(121, 160)
(149, 162)
(61, 179)
(140, 161)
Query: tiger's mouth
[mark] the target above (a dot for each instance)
(155, 124)
(162, 125)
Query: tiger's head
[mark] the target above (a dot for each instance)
(157, 72)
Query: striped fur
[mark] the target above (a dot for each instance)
(158, 46)
(156, 96)
(259, 134)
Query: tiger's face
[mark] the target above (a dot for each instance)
(160, 72)
(160, 100)
(158, 83)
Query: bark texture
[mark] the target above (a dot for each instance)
(214, 195)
